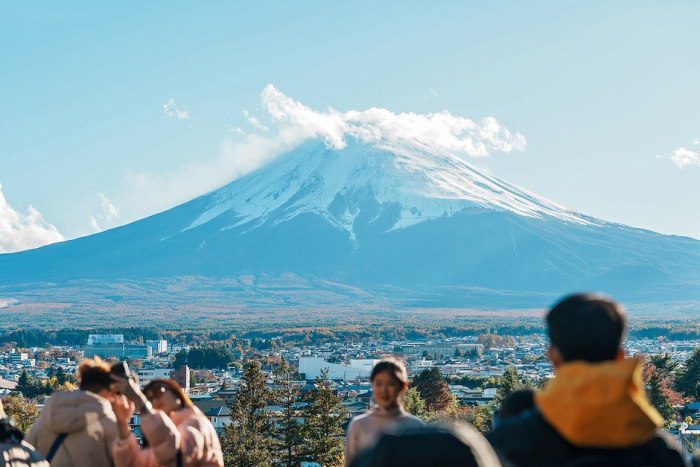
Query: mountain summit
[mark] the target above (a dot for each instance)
(395, 216)
(405, 184)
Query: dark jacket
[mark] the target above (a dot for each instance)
(14, 451)
(529, 441)
(590, 414)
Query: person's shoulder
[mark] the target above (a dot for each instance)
(667, 450)
(527, 425)
(411, 420)
(360, 419)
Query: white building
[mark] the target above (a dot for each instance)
(146, 376)
(18, 357)
(158, 346)
(310, 368)
(102, 339)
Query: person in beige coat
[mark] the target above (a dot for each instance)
(389, 381)
(85, 416)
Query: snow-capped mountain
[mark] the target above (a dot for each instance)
(420, 182)
(402, 215)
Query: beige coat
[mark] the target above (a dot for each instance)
(91, 426)
(366, 430)
(187, 429)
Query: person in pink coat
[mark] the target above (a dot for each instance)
(178, 433)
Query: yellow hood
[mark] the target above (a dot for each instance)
(601, 405)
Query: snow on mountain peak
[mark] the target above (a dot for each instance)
(421, 181)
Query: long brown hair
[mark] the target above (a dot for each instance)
(158, 385)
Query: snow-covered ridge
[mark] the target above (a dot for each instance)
(423, 181)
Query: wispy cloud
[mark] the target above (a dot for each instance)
(170, 109)
(683, 157)
(290, 123)
(449, 132)
(109, 210)
(254, 122)
(24, 231)
(108, 214)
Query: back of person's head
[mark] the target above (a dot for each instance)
(392, 366)
(516, 403)
(94, 375)
(460, 445)
(158, 386)
(587, 327)
(9, 433)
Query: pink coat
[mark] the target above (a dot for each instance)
(187, 428)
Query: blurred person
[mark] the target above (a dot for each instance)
(177, 432)
(14, 451)
(516, 403)
(389, 381)
(456, 446)
(79, 426)
(595, 411)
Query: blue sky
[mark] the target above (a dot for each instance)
(597, 89)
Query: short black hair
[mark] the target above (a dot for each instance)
(587, 327)
(517, 402)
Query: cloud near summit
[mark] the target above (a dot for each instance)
(380, 126)
(283, 123)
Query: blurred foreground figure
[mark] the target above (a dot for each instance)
(389, 381)
(178, 434)
(517, 403)
(595, 411)
(14, 451)
(78, 427)
(460, 446)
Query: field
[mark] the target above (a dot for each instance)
(288, 302)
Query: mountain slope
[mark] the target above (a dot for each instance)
(410, 216)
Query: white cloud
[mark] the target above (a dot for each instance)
(380, 126)
(108, 214)
(683, 157)
(294, 122)
(255, 123)
(94, 224)
(22, 232)
(109, 210)
(236, 130)
(170, 109)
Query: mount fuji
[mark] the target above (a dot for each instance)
(399, 219)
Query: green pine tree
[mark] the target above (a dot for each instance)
(247, 441)
(288, 433)
(414, 404)
(659, 399)
(26, 386)
(508, 382)
(688, 379)
(322, 429)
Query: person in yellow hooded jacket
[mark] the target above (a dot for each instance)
(595, 410)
